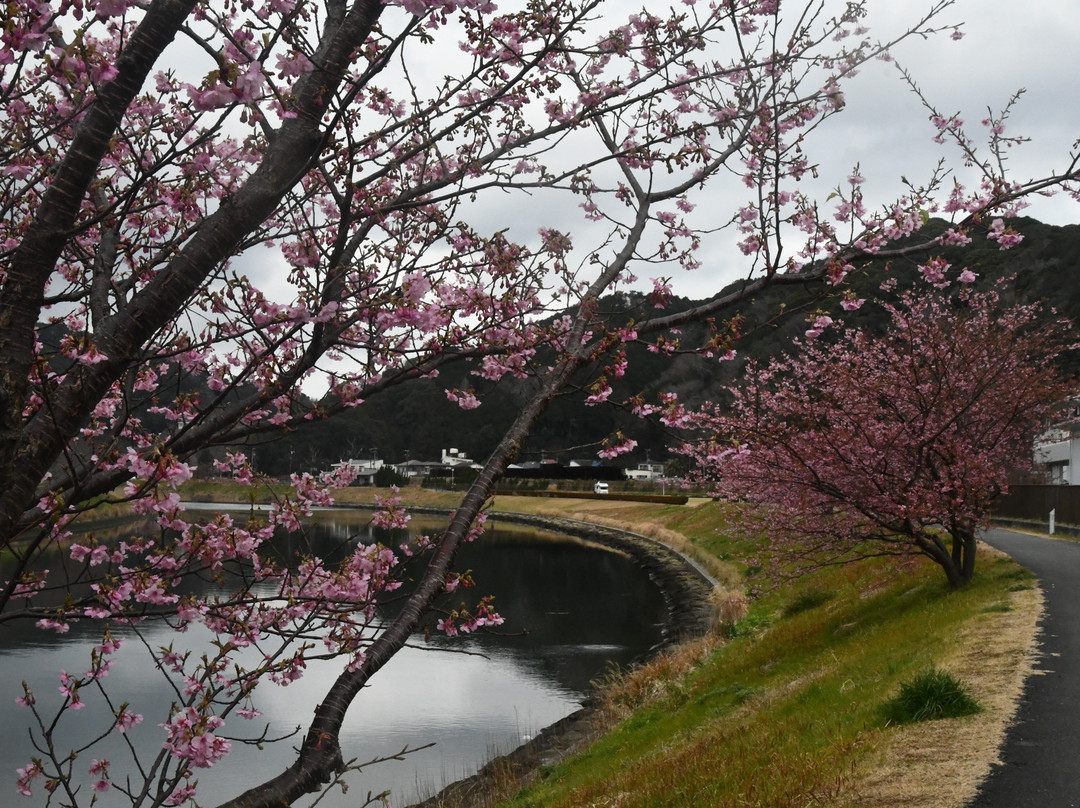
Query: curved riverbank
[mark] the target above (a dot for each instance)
(799, 683)
(686, 589)
(685, 585)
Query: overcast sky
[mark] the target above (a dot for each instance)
(1008, 45)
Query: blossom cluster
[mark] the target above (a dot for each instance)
(229, 222)
(888, 439)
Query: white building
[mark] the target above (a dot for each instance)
(454, 457)
(646, 471)
(365, 469)
(1058, 451)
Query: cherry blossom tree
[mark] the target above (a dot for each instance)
(891, 444)
(208, 208)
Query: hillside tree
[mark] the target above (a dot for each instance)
(886, 444)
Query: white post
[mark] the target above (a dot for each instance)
(1053, 512)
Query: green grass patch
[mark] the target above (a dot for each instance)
(930, 695)
(756, 622)
(788, 711)
(808, 598)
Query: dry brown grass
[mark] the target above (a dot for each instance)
(629, 516)
(621, 692)
(729, 607)
(940, 764)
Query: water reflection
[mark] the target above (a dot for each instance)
(570, 608)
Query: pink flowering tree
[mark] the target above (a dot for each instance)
(209, 208)
(892, 444)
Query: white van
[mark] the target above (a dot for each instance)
(600, 488)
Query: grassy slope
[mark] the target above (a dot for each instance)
(785, 713)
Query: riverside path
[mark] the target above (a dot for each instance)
(1039, 759)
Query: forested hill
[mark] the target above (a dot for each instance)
(418, 422)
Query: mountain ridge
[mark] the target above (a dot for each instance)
(417, 421)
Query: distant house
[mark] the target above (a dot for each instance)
(366, 469)
(417, 468)
(1057, 450)
(588, 463)
(451, 459)
(646, 471)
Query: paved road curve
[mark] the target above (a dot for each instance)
(1041, 757)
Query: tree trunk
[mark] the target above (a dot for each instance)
(33, 262)
(964, 537)
(27, 451)
(320, 756)
(951, 562)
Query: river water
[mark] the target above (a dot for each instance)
(571, 610)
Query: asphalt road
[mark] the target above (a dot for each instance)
(1041, 756)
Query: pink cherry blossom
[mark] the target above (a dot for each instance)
(879, 443)
(1006, 237)
(466, 400)
(27, 774)
(617, 445)
(818, 324)
(285, 218)
(191, 735)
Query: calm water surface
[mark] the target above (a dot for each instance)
(570, 608)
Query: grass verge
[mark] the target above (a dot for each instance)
(932, 694)
(786, 709)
